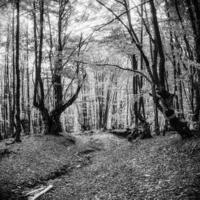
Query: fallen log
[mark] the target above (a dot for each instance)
(141, 132)
(124, 133)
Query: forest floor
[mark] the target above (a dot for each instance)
(101, 166)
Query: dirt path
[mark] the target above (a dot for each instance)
(76, 185)
(150, 169)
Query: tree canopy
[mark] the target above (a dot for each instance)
(69, 65)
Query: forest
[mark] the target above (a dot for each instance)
(84, 82)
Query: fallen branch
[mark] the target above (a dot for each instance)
(33, 195)
(34, 191)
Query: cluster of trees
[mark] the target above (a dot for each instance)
(137, 59)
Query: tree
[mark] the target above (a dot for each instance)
(51, 118)
(157, 70)
(194, 15)
(17, 116)
(157, 56)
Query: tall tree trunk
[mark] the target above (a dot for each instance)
(57, 78)
(135, 88)
(194, 15)
(28, 85)
(6, 102)
(156, 123)
(107, 105)
(38, 99)
(158, 45)
(22, 74)
(166, 103)
(13, 72)
(17, 116)
(142, 106)
(180, 95)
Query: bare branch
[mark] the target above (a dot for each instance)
(119, 67)
(118, 16)
(146, 26)
(120, 2)
(59, 110)
(133, 37)
(119, 19)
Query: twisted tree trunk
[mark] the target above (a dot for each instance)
(165, 105)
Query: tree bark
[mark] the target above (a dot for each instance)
(194, 16)
(17, 116)
(28, 87)
(158, 45)
(13, 72)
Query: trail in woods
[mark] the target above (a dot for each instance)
(82, 182)
(151, 169)
(103, 166)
